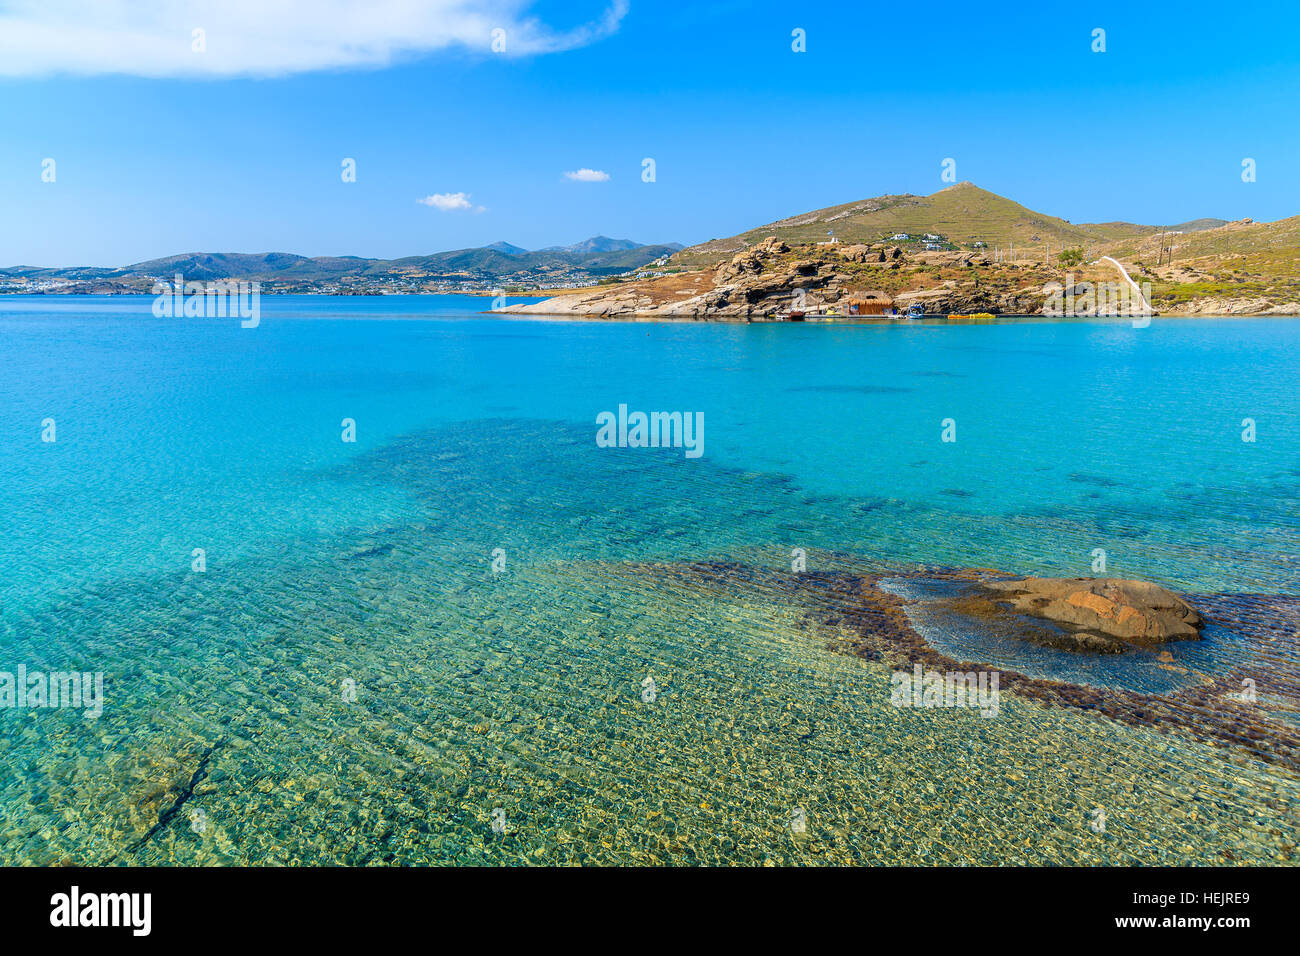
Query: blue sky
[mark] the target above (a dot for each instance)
(742, 129)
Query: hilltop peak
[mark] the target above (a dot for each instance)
(506, 248)
(964, 185)
(596, 244)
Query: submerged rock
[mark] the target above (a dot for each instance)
(1101, 613)
(849, 612)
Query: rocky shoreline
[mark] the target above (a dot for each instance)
(766, 281)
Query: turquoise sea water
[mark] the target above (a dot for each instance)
(229, 734)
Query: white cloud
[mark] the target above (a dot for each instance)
(449, 202)
(585, 175)
(155, 38)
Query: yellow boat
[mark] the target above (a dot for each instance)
(971, 317)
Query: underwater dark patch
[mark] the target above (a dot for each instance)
(1100, 481)
(852, 389)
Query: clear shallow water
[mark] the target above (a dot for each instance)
(371, 562)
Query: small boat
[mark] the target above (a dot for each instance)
(916, 312)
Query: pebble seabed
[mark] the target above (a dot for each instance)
(769, 737)
(381, 696)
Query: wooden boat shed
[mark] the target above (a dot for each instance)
(867, 303)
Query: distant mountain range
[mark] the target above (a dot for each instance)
(498, 264)
(594, 244)
(600, 244)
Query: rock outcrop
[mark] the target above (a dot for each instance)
(1100, 614)
(751, 262)
(1250, 305)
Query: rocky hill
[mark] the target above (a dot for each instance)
(955, 259)
(962, 214)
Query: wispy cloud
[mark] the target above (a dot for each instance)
(585, 175)
(156, 38)
(449, 202)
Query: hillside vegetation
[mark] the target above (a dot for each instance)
(962, 213)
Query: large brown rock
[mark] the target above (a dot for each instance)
(860, 253)
(1134, 612)
(752, 261)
